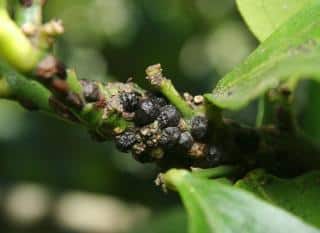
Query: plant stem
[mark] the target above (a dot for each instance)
(279, 152)
(165, 86)
(73, 82)
(169, 91)
(15, 48)
(64, 96)
(17, 87)
(14, 85)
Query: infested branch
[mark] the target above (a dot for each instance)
(158, 125)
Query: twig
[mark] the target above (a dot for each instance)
(165, 86)
(15, 47)
(50, 87)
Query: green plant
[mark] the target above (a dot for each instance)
(159, 125)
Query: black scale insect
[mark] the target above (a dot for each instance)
(199, 127)
(148, 110)
(130, 101)
(186, 140)
(125, 141)
(169, 117)
(170, 137)
(215, 156)
(151, 109)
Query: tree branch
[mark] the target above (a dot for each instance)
(138, 120)
(15, 86)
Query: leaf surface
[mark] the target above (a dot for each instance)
(291, 51)
(263, 17)
(299, 196)
(216, 207)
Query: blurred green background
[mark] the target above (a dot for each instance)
(54, 178)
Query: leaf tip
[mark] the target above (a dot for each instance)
(173, 178)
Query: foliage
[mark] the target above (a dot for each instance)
(264, 17)
(214, 206)
(291, 52)
(298, 195)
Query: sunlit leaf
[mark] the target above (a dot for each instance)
(265, 16)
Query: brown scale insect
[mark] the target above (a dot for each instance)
(50, 67)
(74, 100)
(60, 86)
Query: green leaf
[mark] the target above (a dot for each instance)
(299, 196)
(291, 51)
(265, 16)
(215, 207)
